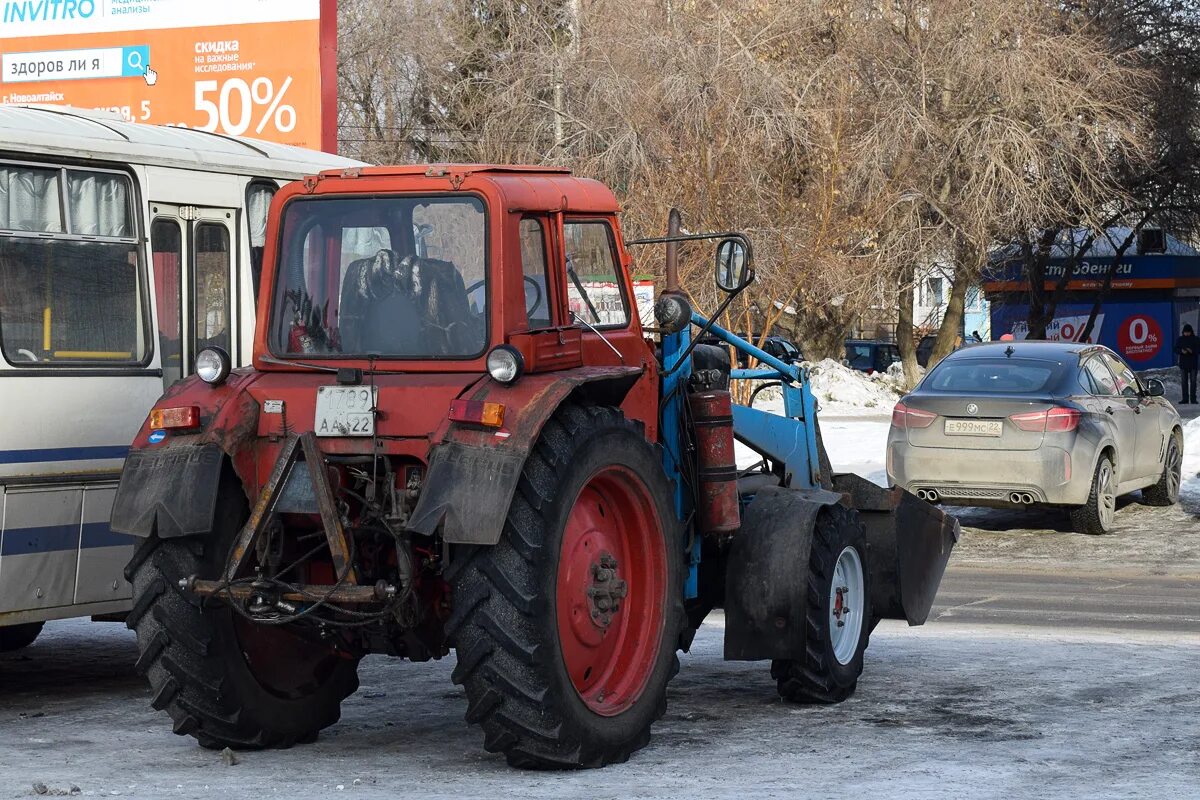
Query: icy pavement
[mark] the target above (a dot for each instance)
(944, 711)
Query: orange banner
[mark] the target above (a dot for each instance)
(266, 78)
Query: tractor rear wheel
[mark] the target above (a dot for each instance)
(565, 630)
(837, 615)
(224, 680)
(18, 637)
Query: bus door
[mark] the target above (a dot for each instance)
(195, 283)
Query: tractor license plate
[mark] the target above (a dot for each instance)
(345, 411)
(974, 427)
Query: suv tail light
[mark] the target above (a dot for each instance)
(904, 417)
(1054, 420)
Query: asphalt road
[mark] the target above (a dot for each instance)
(1109, 601)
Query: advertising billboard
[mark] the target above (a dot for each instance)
(266, 69)
(1144, 333)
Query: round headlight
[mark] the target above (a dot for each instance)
(212, 365)
(505, 363)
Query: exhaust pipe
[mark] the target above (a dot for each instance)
(1022, 498)
(1015, 498)
(1027, 499)
(921, 494)
(928, 495)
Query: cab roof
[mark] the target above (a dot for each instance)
(524, 187)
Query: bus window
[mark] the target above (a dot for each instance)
(166, 246)
(65, 299)
(258, 203)
(212, 262)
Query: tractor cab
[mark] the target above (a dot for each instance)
(456, 436)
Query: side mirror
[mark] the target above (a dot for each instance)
(733, 265)
(1155, 388)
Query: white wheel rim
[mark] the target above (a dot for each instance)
(1106, 495)
(846, 605)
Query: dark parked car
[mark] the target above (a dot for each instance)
(925, 347)
(870, 356)
(1023, 423)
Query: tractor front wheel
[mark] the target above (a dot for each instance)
(838, 614)
(224, 680)
(565, 630)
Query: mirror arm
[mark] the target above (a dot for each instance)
(729, 298)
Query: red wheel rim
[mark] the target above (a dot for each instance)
(611, 591)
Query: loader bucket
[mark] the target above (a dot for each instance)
(908, 546)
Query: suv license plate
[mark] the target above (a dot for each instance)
(345, 411)
(974, 427)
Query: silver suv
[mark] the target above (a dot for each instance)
(1018, 423)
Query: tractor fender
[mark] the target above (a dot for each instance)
(766, 574)
(473, 472)
(169, 487)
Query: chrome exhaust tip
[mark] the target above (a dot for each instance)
(1027, 499)
(922, 494)
(931, 495)
(1015, 498)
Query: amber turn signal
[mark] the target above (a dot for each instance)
(477, 412)
(175, 418)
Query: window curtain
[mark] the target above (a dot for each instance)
(99, 204)
(29, 200)
(258, 202)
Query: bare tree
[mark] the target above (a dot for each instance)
(854, 141)
(988, 119)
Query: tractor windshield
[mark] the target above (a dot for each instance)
(398, 277)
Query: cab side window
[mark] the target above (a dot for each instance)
(595, 292)
(1102, 382)
(534, 270)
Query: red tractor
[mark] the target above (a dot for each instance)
(456, 435)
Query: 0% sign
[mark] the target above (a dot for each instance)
(237, 106)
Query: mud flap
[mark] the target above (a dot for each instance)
(766, 576)
(908, 545)
(172, 490)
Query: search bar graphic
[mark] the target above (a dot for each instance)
(75, 65)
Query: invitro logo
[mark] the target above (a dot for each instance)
(47, 10)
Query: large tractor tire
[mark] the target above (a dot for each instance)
(224, 680)
(837, 615)
(18, 637)
(565, 630)
(1166, 491)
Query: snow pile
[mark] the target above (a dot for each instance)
(841, 390)
(1190, 488)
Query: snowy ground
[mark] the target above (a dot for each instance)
(944, 711)
(960, 708)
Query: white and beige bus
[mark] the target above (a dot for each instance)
(124, 250)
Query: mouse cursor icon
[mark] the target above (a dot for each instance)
(151, 76)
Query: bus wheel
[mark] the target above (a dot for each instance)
(17, 637)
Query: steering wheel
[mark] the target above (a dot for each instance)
(537, 299)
